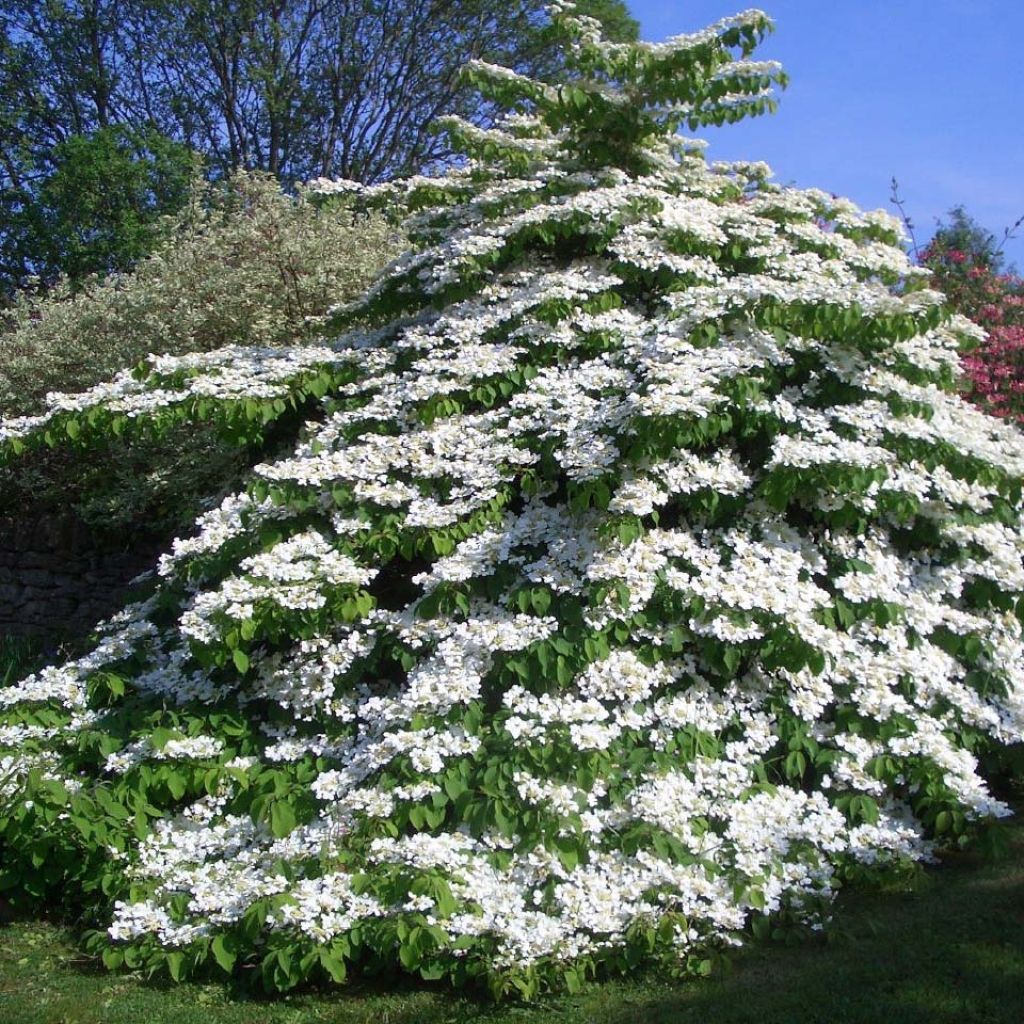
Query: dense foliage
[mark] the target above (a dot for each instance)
(968, 269)
(637, 578)
(242, 263)
(99, 207)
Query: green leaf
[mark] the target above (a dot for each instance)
(241, 660)
(176, 785)
(454, 786)
(225, 952)
(112, 958)
(176, 965)
(282, 818)
(568, 851)
(731, 658)
(334, 964)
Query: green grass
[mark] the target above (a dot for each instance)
(951, 950)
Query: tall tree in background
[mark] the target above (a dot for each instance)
(969, 267)
(346, 88)
(96, 207)
(963, 234)
(299, 88)
(86, 171)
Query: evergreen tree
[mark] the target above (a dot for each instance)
(966, 239)
(636, 579)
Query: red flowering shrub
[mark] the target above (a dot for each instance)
(969, 271)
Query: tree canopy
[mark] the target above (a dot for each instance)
(98, 208)
(297, 88)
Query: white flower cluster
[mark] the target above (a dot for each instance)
(234, 373)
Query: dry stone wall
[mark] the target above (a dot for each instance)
(57, 579)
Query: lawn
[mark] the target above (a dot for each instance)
(950, 950)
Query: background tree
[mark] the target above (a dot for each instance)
(85, 170)
(100, 206)
(346, 88)
(963, 234)
(968, 266)
(298, 88)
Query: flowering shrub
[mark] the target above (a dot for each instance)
(637, 578)
(973, 284)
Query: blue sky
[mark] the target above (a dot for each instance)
(931, 91)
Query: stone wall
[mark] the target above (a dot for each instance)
(57, 580)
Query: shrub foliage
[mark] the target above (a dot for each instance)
(243, 263)
(637, 578)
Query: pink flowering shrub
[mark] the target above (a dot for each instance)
(973, 285)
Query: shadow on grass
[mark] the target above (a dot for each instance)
(46, 979)
(953, 951)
